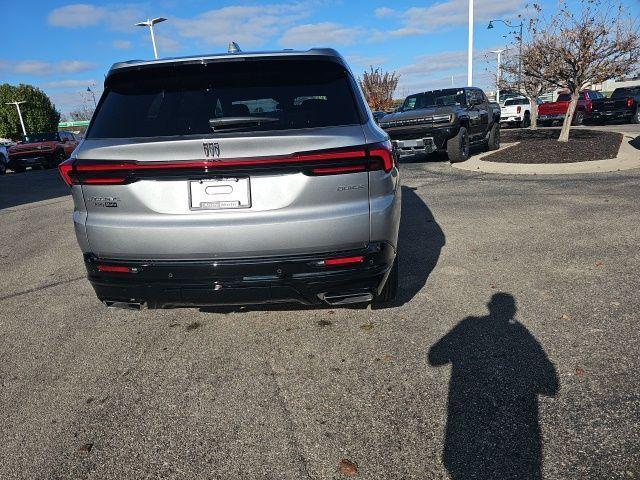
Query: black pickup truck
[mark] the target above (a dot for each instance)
(451, 120)
(623, 105)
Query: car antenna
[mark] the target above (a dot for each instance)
(234, 48)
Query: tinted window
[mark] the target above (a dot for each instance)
(41, 137)
(564, 97)
(224, 97)
(595, 95)
(436, 98)
(625, 92)
(517, 101)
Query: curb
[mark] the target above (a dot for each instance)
(627, 159)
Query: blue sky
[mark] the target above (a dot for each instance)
(64, 47)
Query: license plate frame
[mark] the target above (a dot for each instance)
(222, 193)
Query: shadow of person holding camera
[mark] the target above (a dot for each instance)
(498, 371)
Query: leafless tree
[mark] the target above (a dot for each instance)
(378, 88)
(82, 112)
(582, 45)
(534, 57)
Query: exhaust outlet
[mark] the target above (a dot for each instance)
(346, 298)
(124, 305)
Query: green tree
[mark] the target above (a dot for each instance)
(39, 114)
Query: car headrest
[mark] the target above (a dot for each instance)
(240, 110)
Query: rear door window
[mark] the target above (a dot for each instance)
(223, 97)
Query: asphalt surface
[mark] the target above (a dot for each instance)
(544, 386)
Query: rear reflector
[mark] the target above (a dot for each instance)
(115, 269)
(333, 262)
(364, 158)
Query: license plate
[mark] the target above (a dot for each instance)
(219, 194)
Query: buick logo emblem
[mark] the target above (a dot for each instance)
(211, 149)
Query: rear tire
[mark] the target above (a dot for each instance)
(578, 118)
(493, 143)
(389, 293)
(55, 160)
(526, 123)
(3, 165)
(636, 117)
(458, 146)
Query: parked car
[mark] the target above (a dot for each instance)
(378, 115)
(550, 112)
(623, 105)
(45, 150)
(516, 112)
(209, 180)
(4, 155)
(453, 120)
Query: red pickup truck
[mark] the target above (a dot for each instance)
(46, 150)
(551, 112)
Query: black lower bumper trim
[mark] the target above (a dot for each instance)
(295, 279)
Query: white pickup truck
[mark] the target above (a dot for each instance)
(516, 111)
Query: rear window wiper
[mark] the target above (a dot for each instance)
(239, 122)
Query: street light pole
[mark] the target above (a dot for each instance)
(498, 75)
(95, 104)
(150, 24)
(490, 26)
(470, 50)
(17, 104)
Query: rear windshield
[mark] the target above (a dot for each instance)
(516, 101)
(223, 97)
(438, 98)
(625, 92)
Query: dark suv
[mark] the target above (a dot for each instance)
(237, 178)
(453, 120)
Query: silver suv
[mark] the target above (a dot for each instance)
(240, 178)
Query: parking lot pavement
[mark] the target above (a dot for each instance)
(514, 352)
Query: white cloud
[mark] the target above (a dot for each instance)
(247, 25)
(122, 44)
(69, 83)
(320, 35)
(450, 13)
(384, 12)
(42, 68)
(364, 61)
(81, 15)
(427, 72)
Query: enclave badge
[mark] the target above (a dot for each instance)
(211, 149)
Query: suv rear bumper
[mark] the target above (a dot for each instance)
(295, 279)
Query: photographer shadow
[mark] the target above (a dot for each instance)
(498, 371)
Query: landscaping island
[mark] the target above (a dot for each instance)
(541, 146)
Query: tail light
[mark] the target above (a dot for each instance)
(519, 109)
(589, 106)
(630, 102)
(377, 156)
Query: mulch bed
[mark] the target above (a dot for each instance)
(541, 146)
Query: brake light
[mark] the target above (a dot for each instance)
(67, 173)
(630, 102)
(115, 269)
(382, 157)
(519, 108)
(335, 262)
(589, 106)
